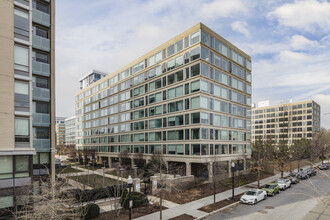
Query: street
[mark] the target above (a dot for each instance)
(294, 203)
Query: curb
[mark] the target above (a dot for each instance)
(218, 210)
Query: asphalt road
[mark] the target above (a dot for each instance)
(294, 203)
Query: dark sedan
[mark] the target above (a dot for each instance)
(310, 172)
(324, 166)
(302, 175)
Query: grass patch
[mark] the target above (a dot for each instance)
(220, 204)
(83, 179)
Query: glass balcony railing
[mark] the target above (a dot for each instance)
(40, 94)
(41, 145)
(40, 68)
(40, 17)
(40, 119)
(41, 43)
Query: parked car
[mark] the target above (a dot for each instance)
(303, 175)
(295, 178)
(323, 166)
(282, 184)
(310, 172)
(287, 182)
(271, 188)
(253, 196)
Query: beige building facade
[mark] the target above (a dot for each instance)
(289, 122)
(188, 99)
(26, 96)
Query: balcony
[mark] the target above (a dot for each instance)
(41, 43)
(40, 119)
(40, 17)
(39, 68)
(41, 145)
(40, 94)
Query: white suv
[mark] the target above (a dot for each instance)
(283, 183)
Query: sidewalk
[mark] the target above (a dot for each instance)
(320, 211)
(100, 174)
(191, 208)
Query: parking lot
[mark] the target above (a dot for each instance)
(293, 203)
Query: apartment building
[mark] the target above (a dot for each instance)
(70, 131)
(291, 121)
(26, 97)
(188, 99)
(60, 131)
(89, 79)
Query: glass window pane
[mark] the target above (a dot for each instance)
(21, 58)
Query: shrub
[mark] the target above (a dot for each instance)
(139, 199)
(91, 211)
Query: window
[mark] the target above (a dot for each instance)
(155, 136)
(175, 92)
(39, 57)
(195, 70)
(155, 72)
(175, 77)
(22, 166)
(175, 106)
(138, 137)
(195, 133)
(175, 120)
(138, 91)
(157, 110)
(21, 24)
(156, 123)
(195, 37)
(195, 86)
(6, 168)
(195, 118)
(21, 59)
(40, 133)
(205, 54)
(175, 135)
(155, 85)
(204, 86)
(41, 32)
(22, 130)
(195, 53)
(40, 6)
(155, 98)
(22, 101)
(175, 149)
(178, 46)
(195, 102)
(170, 50)
(41, 107)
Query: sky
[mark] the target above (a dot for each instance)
(288, 41)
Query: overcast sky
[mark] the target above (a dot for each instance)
(288, 41)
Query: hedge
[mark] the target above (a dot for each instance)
(139, 199)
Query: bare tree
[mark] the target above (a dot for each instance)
(320, 144)
(299, 150)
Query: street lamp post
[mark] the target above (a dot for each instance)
(130, 204)
(233, 179)
(88, 165)
(93, 173)
(103, 169)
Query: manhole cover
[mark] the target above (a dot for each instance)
(262, 211)
(269, 207)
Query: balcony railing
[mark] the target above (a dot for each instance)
(41, 94)
(40, 68)
(40, 17)
(41, 43)
(40, 119)
(41, 145)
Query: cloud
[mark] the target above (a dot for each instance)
(241, 27)
(299, 42)
(307, 15)
(223, 8)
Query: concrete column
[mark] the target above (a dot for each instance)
(136, 185)
(109, 162)
(154, 183)
(229, 169)
(210, 169)
(188, 168)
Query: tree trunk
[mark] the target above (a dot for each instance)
(258, 168)
(161, 192)
(214, 190)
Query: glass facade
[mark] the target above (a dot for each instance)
(191, 92)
